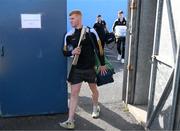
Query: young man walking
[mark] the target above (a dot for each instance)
(84, 69)
(119, 29)
(101, 29)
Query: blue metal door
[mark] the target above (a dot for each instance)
(32, 67)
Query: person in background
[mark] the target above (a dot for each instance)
(101, 29)
(119, 29)
(84, 69)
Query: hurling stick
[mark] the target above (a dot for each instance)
(76, 57)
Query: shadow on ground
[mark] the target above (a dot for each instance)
(48, 122)
(110, 117)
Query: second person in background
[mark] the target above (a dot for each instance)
(101, 29)
(119, 29)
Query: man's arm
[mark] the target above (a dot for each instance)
(68, 47)
(125, 21)
(95, 27)
(105, 27)
(114, 25)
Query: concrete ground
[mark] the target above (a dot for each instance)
(112, 117)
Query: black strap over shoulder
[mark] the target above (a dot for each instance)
(96, 51)
(92, 41)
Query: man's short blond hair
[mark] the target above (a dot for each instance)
(77, 12)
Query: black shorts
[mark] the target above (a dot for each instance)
(79, 75)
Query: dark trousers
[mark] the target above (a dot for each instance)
(121, 46)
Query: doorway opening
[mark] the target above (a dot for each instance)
(109, 13)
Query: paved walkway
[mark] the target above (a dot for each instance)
(112, 116)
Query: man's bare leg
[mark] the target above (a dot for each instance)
(95, 96)
(95, 93)
(75, 89)
(69, 124)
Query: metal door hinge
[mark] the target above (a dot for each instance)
(154, 56)
(133, 5)
(130, 67)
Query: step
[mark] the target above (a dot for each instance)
(139, 112)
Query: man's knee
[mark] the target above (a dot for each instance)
(93, 88)
(75, 90)
(92, 85)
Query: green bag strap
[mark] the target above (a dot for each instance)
(107, 63)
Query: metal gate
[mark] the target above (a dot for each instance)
(165, 70)
(32, 66)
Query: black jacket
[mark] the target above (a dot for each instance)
(118, 22)
(87, 57)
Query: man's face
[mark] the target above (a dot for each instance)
(99, 19)
(120, 15)
(75, 20)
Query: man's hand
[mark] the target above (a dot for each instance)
(76, 51)
(103, 70)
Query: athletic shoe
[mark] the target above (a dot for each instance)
(67, 124)
(119, 57)
(96, 112)
(122, 61)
